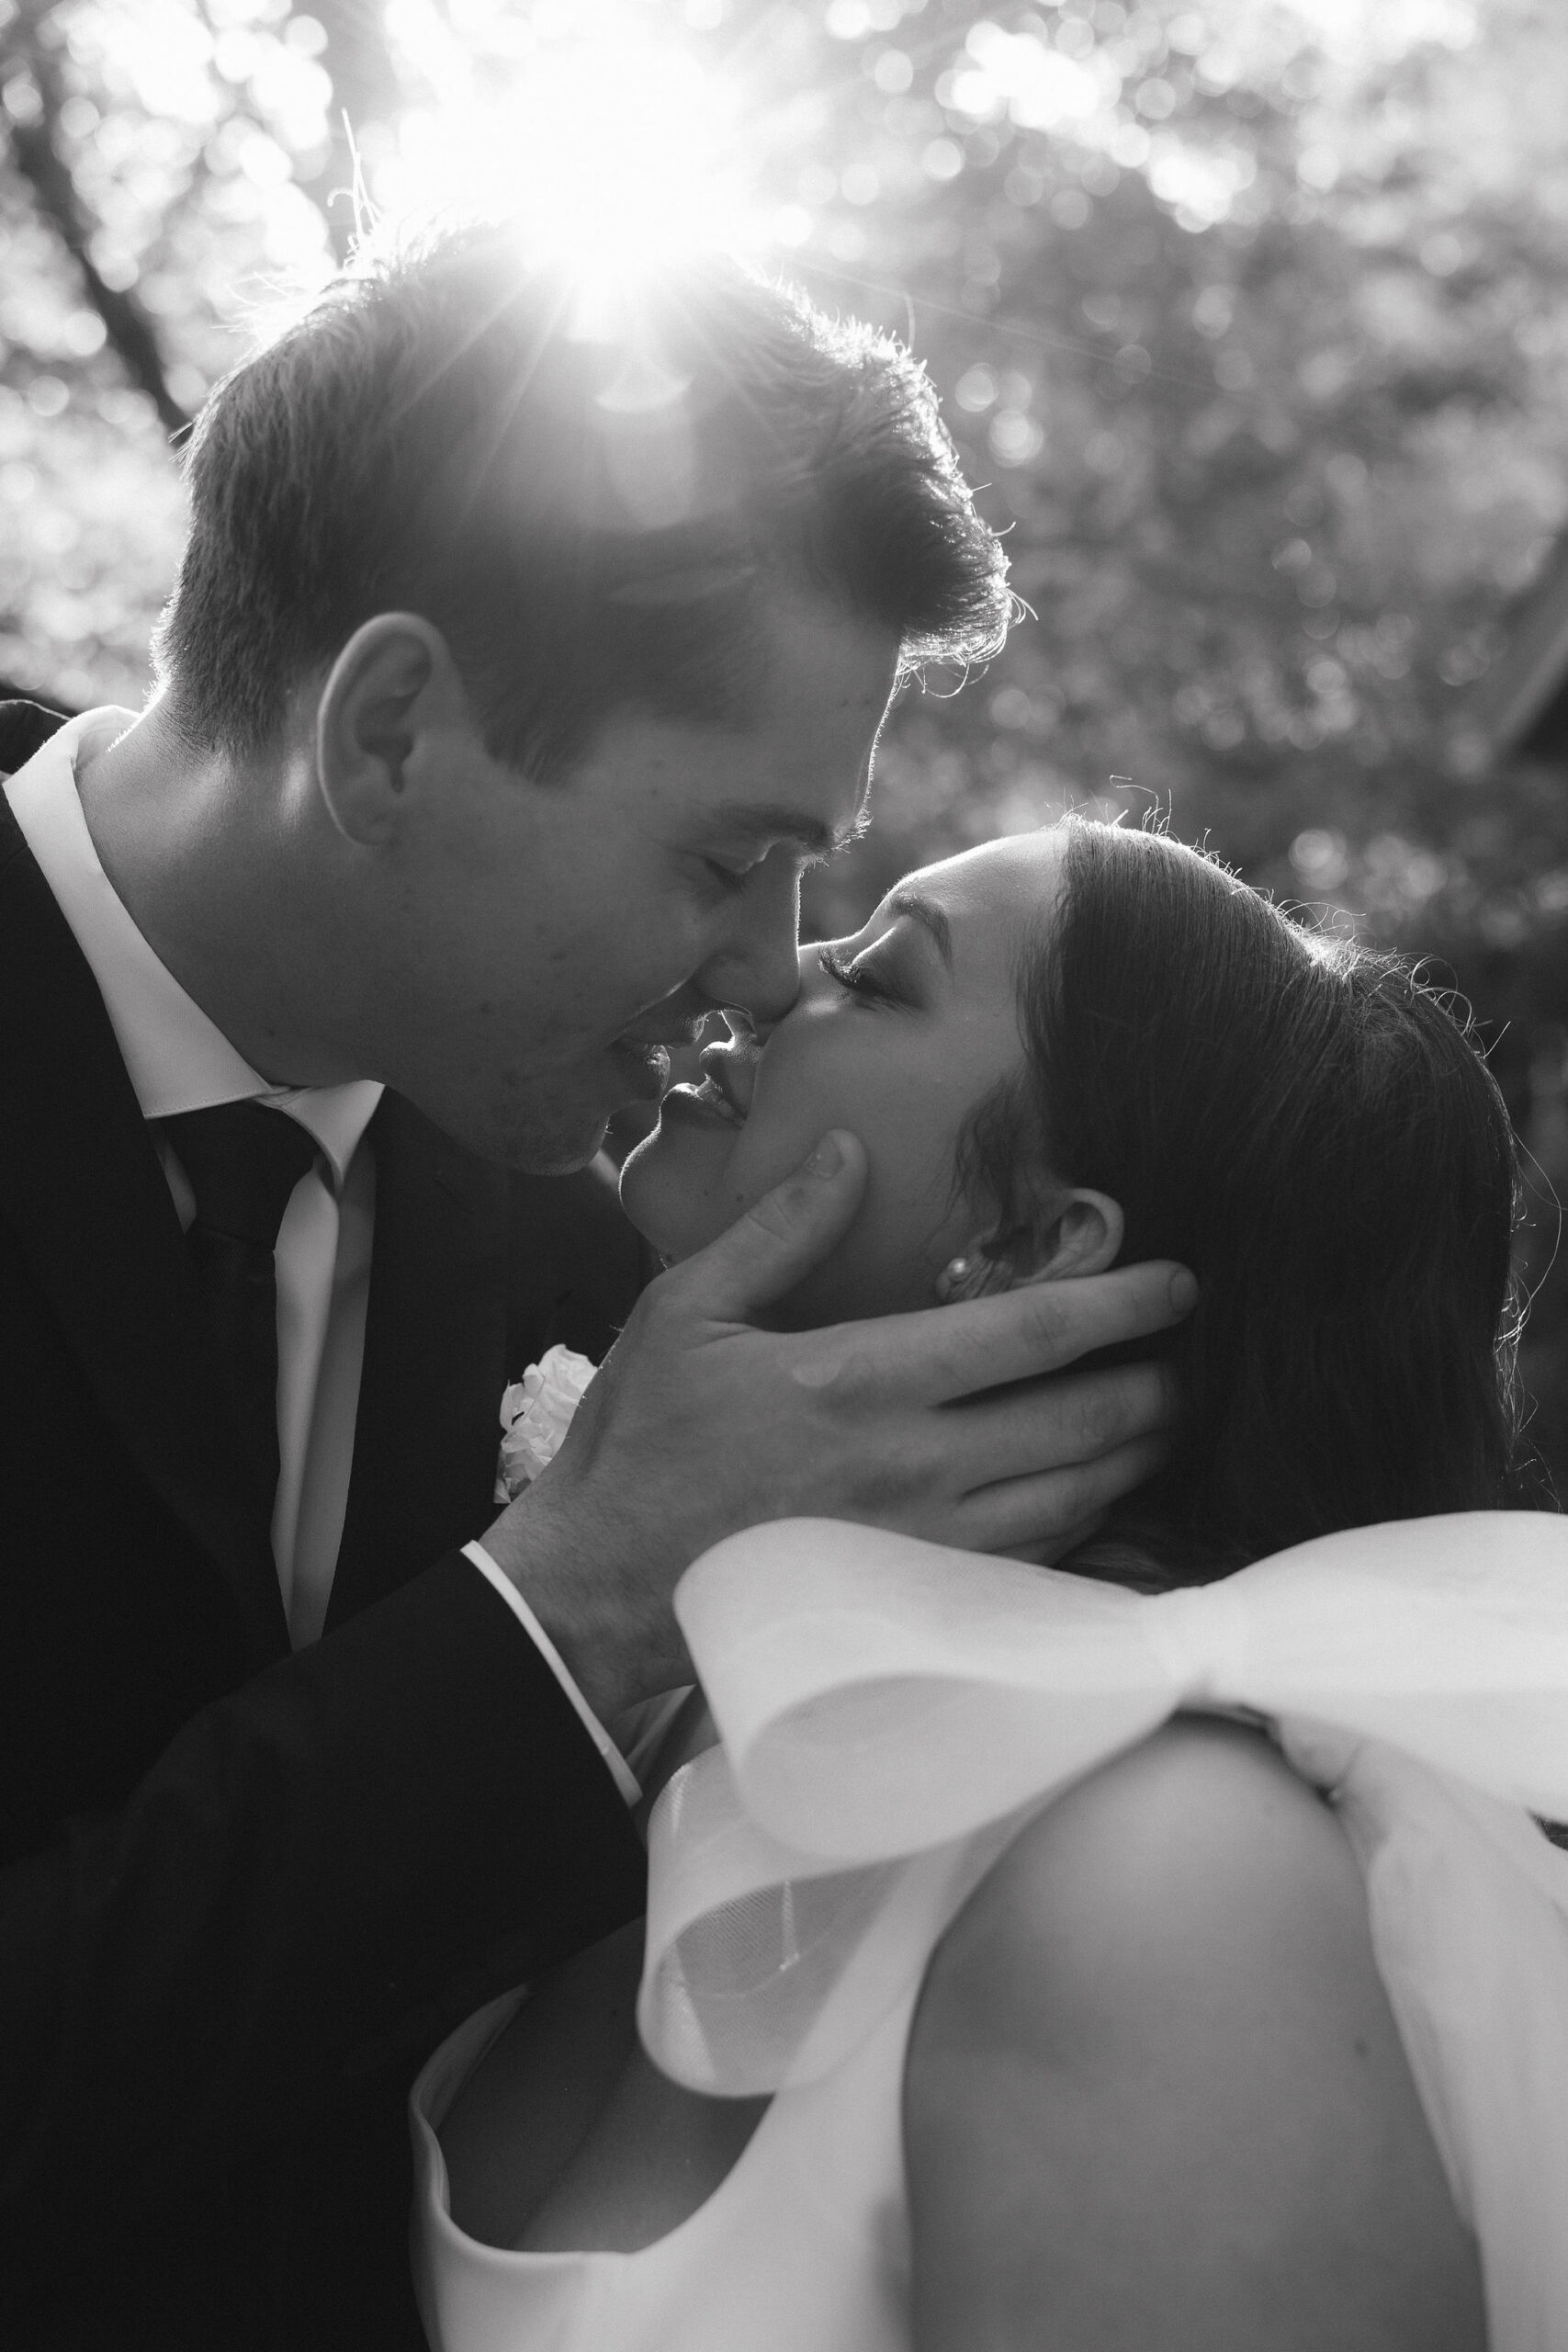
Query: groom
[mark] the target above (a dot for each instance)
(518, 663)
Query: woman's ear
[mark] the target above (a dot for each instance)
(1085, 1238)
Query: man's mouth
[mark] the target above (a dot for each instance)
(646, 1068)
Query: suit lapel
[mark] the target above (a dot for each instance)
(83, 1185)
(427, 1432)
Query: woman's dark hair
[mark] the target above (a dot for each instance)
(1309, 1128)
(592, 512)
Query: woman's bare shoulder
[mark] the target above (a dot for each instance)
(1169, 1836)
(1155, 2088)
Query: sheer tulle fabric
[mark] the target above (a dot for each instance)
(891, 1711)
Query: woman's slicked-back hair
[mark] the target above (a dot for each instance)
(1309, 1129)
(593, 509)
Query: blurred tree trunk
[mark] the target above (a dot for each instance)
(39, 155)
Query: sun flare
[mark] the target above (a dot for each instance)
(611, 150)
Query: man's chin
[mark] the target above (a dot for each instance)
(556, 1138)
(537, 1154)
(539, 1147)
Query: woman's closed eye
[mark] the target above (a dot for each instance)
(858, 977)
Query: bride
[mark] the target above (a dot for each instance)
(1012, 1981)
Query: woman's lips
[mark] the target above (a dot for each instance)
(704, 1103)
(725, 1095)
(732, 1068)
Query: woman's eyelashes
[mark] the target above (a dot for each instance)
(857, 977)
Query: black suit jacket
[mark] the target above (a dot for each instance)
(242, 1892)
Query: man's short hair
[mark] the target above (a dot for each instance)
(593, 513)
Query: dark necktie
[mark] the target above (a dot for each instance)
(243, 1161)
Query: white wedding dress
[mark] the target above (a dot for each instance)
(891, 1712)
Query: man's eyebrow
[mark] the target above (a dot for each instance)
(929, 916)
(778, 823)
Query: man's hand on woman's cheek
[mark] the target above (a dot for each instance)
(700, 1424)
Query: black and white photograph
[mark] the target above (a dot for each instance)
(784, 1113)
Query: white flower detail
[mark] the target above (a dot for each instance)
(535, 1414)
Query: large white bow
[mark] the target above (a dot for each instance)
(891, 1710)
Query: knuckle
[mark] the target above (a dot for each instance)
(845, 1376)
(958, 1365)
(1091, 1418)
(1099, 1422)
(775, 1214)
(1045, 1318)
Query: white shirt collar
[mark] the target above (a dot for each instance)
(176, 1058)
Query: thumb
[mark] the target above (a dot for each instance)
(784, 1235)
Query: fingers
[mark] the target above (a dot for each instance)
(1044, 1516)
(1056, 1424)
(949, 1351)
(781, 1236)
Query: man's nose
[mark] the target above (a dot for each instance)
(757, 968)
(807, 970)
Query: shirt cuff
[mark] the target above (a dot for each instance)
(619, 1771)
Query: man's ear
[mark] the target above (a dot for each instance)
(1084, 1237)
(393, 683)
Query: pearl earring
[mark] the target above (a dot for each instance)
(965, 1277)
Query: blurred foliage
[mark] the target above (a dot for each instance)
(1252, 315)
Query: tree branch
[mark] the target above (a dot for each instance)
(37, 158)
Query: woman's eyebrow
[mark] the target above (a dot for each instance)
(929, 916)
